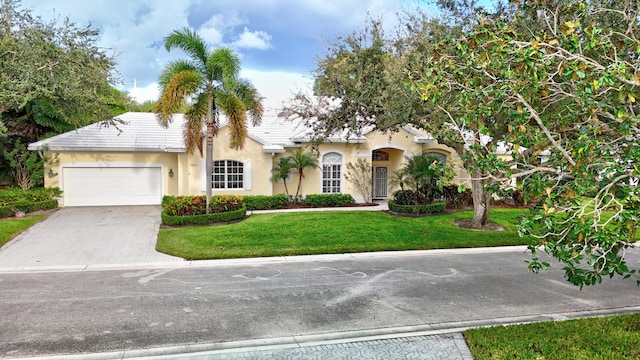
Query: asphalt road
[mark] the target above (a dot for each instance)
(113, 310)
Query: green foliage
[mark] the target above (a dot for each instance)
(301, 160)
(13, 200)
(63, 73)
(455, 198)
(328, 200)
(196, 205)
(265, 202)
(210, 80)
(27, 167)
(27, 207)
(203, 219)
(360, 175)
(281, 171)
(13, 195)
(556, 84)
(612, 337)
(434, 208)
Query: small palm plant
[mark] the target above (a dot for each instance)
(301, 161)
(281, 171)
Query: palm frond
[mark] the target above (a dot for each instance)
(223, 65)
(236, 113)
(190, 42)
(251, 99)
(173, 68)
(195, 115)
(172, 97)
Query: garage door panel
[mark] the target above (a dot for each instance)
(93, 186)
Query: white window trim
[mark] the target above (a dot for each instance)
(343, 168)
(246, 177)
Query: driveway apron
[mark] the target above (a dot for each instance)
(78, 237)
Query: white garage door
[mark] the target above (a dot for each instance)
(95, 186)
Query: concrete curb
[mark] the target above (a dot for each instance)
(261, 261)
(234, 347)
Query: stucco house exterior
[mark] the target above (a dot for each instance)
(139, 161)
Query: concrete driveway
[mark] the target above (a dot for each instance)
(88, 237)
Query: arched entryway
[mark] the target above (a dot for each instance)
(384, 161)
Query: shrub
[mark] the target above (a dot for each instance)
(203, 219)
(434, 208)
(328, 200)
(14, 195)
(408, 197)
(456, 199)
(196, 205)
(226, 203)
(27, 207)
(264, 202)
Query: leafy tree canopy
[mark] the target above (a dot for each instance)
(558, 81)
(53, 76)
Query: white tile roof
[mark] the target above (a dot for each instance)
(138, 132)
(141, 132)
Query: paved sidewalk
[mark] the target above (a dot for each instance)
(426, 347)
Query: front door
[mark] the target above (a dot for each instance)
(380, 182)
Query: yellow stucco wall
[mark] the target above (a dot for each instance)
(68, 159)
(187, 168)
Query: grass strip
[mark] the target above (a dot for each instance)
(612, 337)
(10, 228)
(305, 233)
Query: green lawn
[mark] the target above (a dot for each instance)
(10, 228)
(277, 234)
(614, 337)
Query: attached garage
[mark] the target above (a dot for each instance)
(112, 185)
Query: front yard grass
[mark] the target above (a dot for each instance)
(305, 233)
(10, 228)
(613, 337)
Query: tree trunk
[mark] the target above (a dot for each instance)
(480, 202)
(209, 163)
(209, 153)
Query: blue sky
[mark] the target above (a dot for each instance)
(279, 41)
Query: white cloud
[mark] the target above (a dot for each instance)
(253, 39)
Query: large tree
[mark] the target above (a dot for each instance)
(207, 83)
(50, 72)
(558, 81)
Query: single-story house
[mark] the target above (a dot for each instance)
(139, 161)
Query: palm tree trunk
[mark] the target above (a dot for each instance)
(299, 183)
(209, 154)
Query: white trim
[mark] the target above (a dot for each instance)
(203, 175)
(246, 175)
(343, 168)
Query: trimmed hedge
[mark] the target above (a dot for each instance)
(27, 207)
(204, 219)
(328, 200)
(265, 202)
(14, 195)
(434, 208)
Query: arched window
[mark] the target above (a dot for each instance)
(379, 155)
(228, 174)
(331, 173)
(442, 158)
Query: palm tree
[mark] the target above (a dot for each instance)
(281, 171)
(300, 161)
(207, 83)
